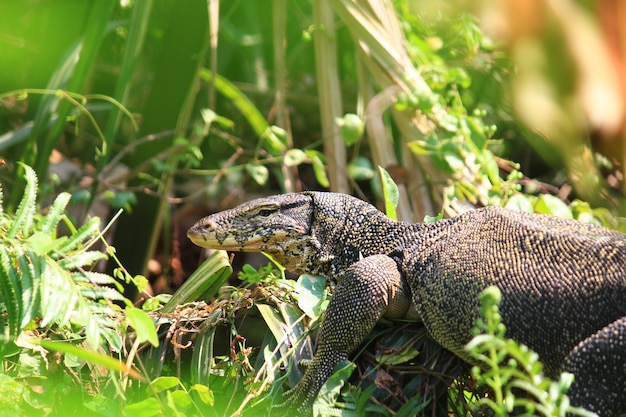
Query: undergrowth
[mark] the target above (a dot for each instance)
(53, 300)
(513, 372)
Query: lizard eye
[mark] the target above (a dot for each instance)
(265, 213)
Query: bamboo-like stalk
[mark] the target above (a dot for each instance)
(214, 21)
(330, 94)
(279, 16)
(381, 48)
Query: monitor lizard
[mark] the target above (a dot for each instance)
(563, 282)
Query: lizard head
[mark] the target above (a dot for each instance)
(279, 226)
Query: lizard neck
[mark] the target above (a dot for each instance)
(347, 229)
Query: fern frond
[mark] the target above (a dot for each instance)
(97, 319)
(29, 271)
(56, 211)
(112, 336)
(10, 295)
(59, 296)
(26, 210)
(1, 202)
(100, 293)
(79, 237)
(44, 276)
(85, 304)
(96, 278)
(81, 259)
(90, 323)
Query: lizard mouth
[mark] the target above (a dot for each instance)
(208, 237)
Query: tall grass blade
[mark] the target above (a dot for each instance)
(247, 108)
(137, 30)
(90, 356)
(202, 356)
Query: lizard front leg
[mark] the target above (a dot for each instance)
(361, 297)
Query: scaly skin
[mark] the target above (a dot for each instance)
(563, 282)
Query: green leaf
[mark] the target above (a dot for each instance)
(549, 204)
(318, 168)
(476, 131)
(490, 165)
(140, 282)
(94, 292)
(99, 404)
(121, 199)
(396, 358)
(150, 407)
(259, 173)
(180, 399)
(455, 162)
(272, 319)
(294, 157)
(329, 392)
(361, 169)
(420, 147)
(519, 202)
(424, 100)
(204, 393)
(164, 383)
(143, 325)
(311, 291)
(449, 123)
(459, 76)
(433, 219)
(412, 407)
(390, 192)
(275, 139)
(138, 29)
(352, 128)
(72, 361)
